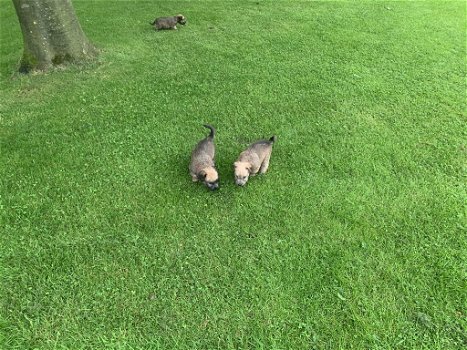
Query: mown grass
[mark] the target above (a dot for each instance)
(355, 239)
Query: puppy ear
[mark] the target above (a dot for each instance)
(202, 175)
(235, 164)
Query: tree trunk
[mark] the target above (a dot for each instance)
(52, 34)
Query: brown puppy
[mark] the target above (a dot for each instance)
(168, 22)
(255, 158)
(202, 162)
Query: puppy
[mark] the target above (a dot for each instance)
(202, 162)
(253, 160)
(168, 22)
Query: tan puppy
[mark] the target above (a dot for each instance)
(253, 160)
(202, 162)
(168, 22)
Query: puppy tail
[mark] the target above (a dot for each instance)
(213, 131)
(273, 139)
(152, 23)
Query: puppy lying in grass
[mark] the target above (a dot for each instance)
(253, 160)
(202, 162)
(168, 22)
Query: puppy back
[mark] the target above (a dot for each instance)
(205, 147)
(165, 22)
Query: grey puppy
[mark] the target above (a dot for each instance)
(202, 166)
(168, 22)
(253, 160)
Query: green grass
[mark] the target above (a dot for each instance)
(354, 239)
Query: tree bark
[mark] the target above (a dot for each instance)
(52, 34)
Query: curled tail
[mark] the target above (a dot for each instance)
(273, 139)
(213, 131)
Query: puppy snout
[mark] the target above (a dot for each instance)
(240, 182)
(213, 186)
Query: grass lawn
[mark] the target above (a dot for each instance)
(354, 239)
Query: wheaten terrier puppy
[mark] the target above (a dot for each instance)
(253, 160)
(202, 166)
(168, 22)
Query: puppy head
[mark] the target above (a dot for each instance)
(210, 178)
(181, 19)
(242, 172)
